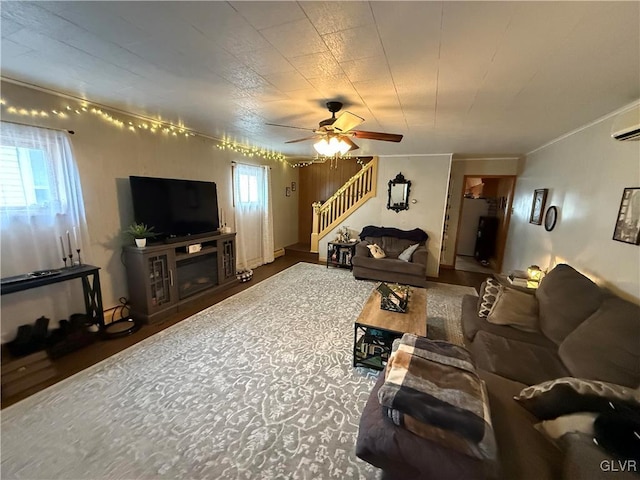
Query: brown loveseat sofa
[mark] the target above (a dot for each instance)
(393, 242)
(582, 332)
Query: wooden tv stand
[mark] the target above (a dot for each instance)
(163, 278)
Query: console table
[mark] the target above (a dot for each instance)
(90, 286)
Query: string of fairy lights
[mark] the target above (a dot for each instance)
(333, 160)
(150, 126)
(248, 151)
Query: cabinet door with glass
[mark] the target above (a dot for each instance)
(227, 267)
(160, 287)
(151, 278)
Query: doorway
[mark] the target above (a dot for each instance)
(483, 222)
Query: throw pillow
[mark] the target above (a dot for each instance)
(565, 395)
(408, 252)
(376, 251)
(488, 294)
(619, 434)
(576, 422)
(516, 309)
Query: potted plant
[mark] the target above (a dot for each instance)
(140, 232)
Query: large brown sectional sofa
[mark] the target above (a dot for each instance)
(580, 331)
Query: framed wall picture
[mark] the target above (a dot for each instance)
(537, 208)
(628, 223)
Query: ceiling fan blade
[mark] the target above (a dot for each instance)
(346, 121)
(289, 126)
(351, 143)
(386, 137)
(302, 139)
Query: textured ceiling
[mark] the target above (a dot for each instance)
(462, 77)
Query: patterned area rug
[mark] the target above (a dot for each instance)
(257, 386)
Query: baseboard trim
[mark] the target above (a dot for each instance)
(278, 253)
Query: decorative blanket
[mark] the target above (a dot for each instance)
(431, 388)
(415, 235)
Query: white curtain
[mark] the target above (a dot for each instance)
(40, 201)
(253, 215)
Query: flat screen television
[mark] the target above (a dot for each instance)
(177, 209)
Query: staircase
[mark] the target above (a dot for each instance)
(358, 189)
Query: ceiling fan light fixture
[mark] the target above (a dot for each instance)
(322, 147)
(334, 146)
(343, 147)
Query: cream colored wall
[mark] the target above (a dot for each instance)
(585, 173)
(429, 176)
(460, 168)
(106, 156)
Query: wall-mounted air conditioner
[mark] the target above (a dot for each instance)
(627, 125)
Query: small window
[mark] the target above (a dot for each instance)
(25, 176)
(248, 188)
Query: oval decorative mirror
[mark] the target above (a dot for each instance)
(399, 189)
(550, 218)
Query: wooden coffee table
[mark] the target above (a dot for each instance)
(376, 329)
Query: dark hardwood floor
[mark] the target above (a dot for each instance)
(78, 360)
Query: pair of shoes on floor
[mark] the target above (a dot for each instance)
(30, 338)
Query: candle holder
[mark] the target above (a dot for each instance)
(70, 259)
(64, 259)
(79, 260)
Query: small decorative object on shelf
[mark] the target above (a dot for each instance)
(140, 232)
(64, 253)
(394, 298)
(342, 235)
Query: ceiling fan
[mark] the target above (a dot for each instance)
(335, 133)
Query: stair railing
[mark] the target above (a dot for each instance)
(356, 191)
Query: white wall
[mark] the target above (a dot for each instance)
(429, 175)
(106, 156)
(585, 173)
